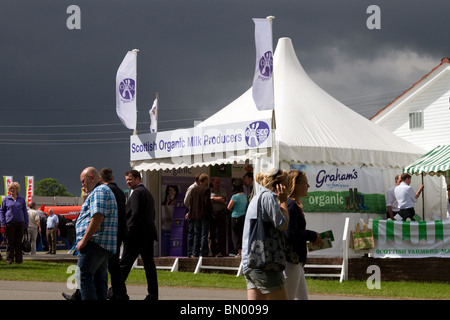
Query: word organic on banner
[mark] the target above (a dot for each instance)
(411, 239)
(210, 142)
(343, 189)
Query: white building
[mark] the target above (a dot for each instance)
(421, 114)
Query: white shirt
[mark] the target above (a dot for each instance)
(33, 218)
(405, 196)
(391, 200)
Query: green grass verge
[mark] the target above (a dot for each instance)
(58, 272)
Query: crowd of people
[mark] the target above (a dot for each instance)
(107, 221)
(401, 197)
(282, 212)
(209, 209)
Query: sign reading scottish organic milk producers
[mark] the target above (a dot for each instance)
(210, 141)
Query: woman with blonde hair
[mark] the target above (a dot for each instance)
(14, 218)
(296, 236)
(267, 283)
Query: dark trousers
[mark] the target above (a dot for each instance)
(237, 229)
(218, 232)
(190, 238)
(132, 248)
(14, 236)
(118, 289)
(407, 213)
(200, 244)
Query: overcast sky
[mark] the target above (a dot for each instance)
(57, 85)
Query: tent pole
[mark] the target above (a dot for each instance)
(423, 202)
(274, 150)
(135, 95)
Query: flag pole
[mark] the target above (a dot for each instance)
(275, 157)
(135, 96)
(157, 105)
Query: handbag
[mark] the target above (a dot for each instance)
(26, 244)
(361, 239)
(266, 244)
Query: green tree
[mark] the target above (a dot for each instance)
(50, 187)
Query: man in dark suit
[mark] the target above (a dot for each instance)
(200, 213)
(140, 232)
(118, 289)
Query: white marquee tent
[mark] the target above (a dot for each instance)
(311, 128)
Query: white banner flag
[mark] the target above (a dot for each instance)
(126, 91)
(29, 183)
(262, 80)
(154, 117)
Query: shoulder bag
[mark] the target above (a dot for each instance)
(26, 244)
(266, 244)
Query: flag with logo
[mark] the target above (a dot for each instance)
(154, 117)
(126, 91)
(7, 181)
(29, 183)
(263, 81)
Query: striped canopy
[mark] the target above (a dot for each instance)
(437, 161)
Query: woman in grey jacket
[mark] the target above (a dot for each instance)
(265, 284)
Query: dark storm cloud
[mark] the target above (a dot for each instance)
(199, 56)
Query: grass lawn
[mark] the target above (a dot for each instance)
(58, 272)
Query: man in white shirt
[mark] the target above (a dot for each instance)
(391, 201)
(406, 197)
(52, 229)
(34, 226)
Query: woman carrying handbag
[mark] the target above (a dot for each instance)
(263, 240)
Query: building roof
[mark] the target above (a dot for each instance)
(427, 77)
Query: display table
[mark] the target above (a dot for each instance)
(411, 239)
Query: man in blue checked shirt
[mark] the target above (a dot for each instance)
(96, 230)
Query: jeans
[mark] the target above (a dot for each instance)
(93, 265)
(201, 231)
(190, 237)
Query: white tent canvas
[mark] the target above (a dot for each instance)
(311, 128)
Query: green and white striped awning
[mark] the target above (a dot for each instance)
(437, 161)
(398, 231)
